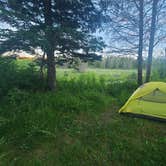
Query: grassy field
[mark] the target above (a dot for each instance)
(79, 125)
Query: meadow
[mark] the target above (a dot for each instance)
(79, 125)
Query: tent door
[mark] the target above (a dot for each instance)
(156, 96)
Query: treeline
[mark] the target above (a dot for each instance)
(116, 62)
(119, 62)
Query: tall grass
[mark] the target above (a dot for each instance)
(77, 125)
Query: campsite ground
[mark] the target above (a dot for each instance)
(79, 125)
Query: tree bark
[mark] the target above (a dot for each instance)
(140, 49)
(51, 72)
(42, 67)
(151, 40)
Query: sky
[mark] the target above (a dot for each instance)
(4, 25)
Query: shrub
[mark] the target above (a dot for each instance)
(159, 69)
(121, 90)
(12, 76)
(8, 75)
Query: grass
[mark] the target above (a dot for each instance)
(79, 124)
(108, 74)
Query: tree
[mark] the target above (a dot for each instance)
(63, 26)
(49, 32)
(130, 27)
(151, 40)
(140, 46)
(127, 29)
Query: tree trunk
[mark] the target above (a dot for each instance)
(151, 40)
(140, 49)
(51, 72)
(42, 67)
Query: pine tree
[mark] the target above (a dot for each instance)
(61, 25)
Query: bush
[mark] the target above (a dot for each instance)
(121, 90)
(159, 69)
(12, 76)
(8, 75)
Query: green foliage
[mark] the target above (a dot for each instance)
(7, 75)
(14, 76)
(116, 62)
(122, 90)
(159, 68)
(77, 125)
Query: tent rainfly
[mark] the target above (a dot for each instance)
(149, 101)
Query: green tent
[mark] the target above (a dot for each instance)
(148, 100)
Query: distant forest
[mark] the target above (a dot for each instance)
(121, 62)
